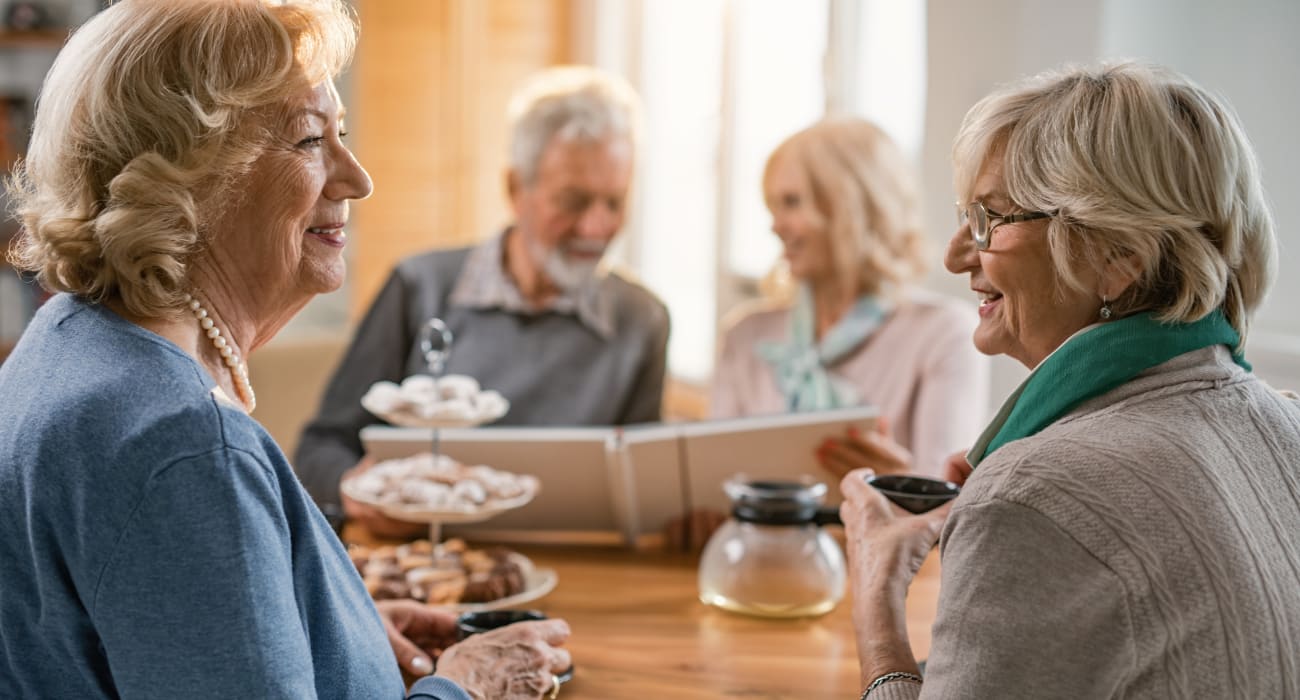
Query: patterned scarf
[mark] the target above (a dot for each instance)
(801, 363)
(1091, 363)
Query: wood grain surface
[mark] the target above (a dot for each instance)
(639, 631)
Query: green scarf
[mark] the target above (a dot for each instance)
(1091, 363)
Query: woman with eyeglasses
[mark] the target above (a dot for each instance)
(1129, 526)
(846, 327)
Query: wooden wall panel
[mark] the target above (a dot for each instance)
(430, 86)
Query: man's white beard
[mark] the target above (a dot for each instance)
(569, 274)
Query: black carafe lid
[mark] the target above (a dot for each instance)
(778, 502)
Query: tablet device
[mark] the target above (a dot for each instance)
(710, 452)
(765, 447)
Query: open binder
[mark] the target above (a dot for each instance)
(613, 485)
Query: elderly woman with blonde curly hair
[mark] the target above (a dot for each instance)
(1128, 529)
(848, 325)
(186, 192)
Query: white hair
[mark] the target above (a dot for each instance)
(1135, 162)
(570, 103)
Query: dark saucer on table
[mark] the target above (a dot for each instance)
(915, 494)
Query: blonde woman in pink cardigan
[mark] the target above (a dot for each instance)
(847, 328)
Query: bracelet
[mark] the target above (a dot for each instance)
(895, 676)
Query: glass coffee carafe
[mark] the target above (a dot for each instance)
(772, 557)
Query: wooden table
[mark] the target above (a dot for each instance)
(639, 631)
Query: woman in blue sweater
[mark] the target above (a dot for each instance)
(186, 192)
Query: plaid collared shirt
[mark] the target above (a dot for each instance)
(484, 284)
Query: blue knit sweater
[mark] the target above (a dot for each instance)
(154, 541)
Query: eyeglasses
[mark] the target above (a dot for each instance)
(981, 217)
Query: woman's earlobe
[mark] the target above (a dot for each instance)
(1120, 273)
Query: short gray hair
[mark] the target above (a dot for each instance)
(1135, 161)
(571, 103)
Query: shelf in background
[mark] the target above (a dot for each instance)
(36, 39)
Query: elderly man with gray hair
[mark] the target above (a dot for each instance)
(534, 314)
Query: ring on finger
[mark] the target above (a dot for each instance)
(555, 687)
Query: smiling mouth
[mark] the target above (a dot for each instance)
(988, 303)
(330, 235)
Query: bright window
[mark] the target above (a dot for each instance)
(889, 55)
(777, 87)
(677, 199)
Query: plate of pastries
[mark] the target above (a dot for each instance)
(420, 401)
(451, 574)
(424, 488)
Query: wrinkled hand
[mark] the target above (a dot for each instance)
(690, 532)
(874, 450)
(885, 544)
(417, 633)
(514, 662)
(375, 522)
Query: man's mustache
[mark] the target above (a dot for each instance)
(583, 247)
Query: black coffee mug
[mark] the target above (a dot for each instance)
(472, 623)
(915, 494)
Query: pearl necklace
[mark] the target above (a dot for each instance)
(238, 370)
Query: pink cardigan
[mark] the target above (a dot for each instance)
(920, 368)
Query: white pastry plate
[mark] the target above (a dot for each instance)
(422, 514)
(418, 403)
(407, 420)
